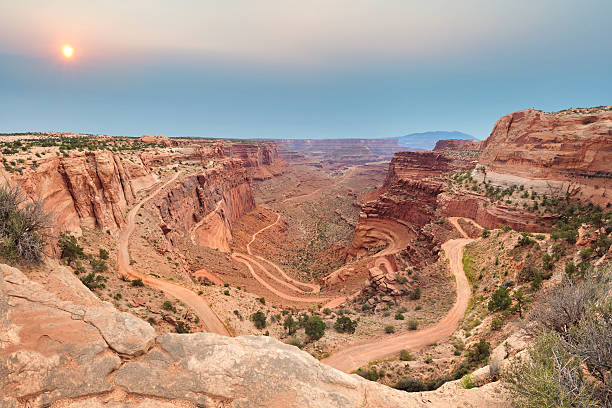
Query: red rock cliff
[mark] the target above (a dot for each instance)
(204, 206)
(570, 147)
(91, 189)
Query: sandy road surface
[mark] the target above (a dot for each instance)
(208, 317)
(353, 357)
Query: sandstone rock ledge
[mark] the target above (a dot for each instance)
(58, 353)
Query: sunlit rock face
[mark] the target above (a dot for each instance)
(570, 149)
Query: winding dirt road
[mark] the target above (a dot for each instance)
(207, 316)
(353, 357)
(252, 262)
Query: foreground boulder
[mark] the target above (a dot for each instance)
(55, 352)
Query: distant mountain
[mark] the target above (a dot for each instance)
(427, 140)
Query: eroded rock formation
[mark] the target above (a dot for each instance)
(207, 204)
(91, 189)
(458, 144)
(553, 152)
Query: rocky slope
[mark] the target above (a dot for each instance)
(553, 151)
(84, 353)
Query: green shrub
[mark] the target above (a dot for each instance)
(182, 327)
(103, 253)
(290, 325)
(410, 384)
(413, 324)
(259, 319)
(93, 281)
(137, 283)
(70, 249)
(399, 316)
(405, 356)
(480, 352)
(314, 327)
(467, 382)
(415, 294)
(24, 227)
(370, 374)
(98, 265)
(167, 305)
(389, 329)
(486, 233)
(496, 323)
(345, 325)
(500, 300)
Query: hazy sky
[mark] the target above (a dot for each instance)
(289, 68)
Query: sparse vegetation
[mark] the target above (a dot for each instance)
(24, 227)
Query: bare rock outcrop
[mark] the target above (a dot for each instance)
(569, 149)
(51, 355)
(458, 144)
(156, 139)
(91, 189)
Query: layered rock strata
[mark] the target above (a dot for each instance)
(553, 152)
(90, 189)
(207, 204)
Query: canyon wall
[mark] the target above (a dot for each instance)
(339, 152)
(408, 193)
(205, 205)
(553, 151)
(91, 189)
(262, 159)
(458, 144)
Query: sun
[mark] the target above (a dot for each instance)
(67, 50)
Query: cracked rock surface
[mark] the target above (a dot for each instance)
(58, 353)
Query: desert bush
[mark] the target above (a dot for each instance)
(314, 327)
(290, 325)
(24, 227)
(182, 327)
(479, 353)
(399, 316)
(259, 319)
(389, 329)
(496, 323)
(98, 265)
(570, 363)
(500, 300)
(103, 254)
(69, 247)
(137, 283)
(405, 356)
(167, 305)
(410, 384)
(344, 324)
(369, 374)
(412, 324)
(551, 377)
(415, 294)
(93, 281)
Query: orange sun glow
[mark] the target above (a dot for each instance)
(67, 50)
